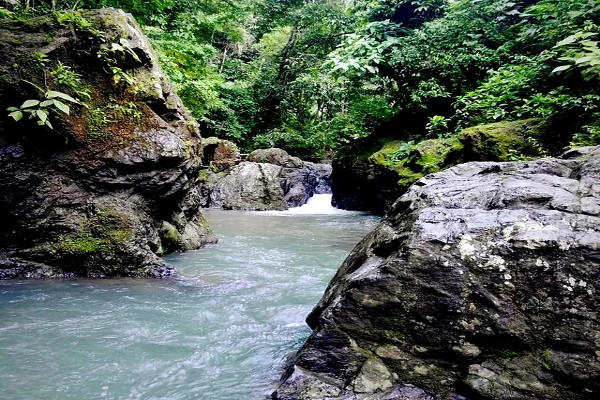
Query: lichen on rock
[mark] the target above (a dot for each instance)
(480, 283)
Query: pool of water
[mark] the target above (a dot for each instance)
(221, 329)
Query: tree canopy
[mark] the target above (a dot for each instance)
(311, 75)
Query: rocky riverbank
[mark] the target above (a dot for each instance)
(99, 181)
(480, 283)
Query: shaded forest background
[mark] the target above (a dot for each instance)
(311, 75)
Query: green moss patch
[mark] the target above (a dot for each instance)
(504, 141)
(413, 161)
(104, 234)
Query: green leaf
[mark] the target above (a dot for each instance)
(84, 95)
(12, 109)
(17, 115)
(61, 106)
(561, 68)
(575, 14)
(583, 59)
(42, 115)
(567, 40)
(51, 94)
(30, 103)
(48, 124)
(46, 103)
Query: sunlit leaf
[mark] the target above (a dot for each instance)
(583, 59)
(61, 106)
(561, 68)
(42, 115)
(17, 115)
(30, 103)
(567, 40)
(51, 94)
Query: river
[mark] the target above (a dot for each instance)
(221, 329)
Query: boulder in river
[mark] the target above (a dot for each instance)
(110, 188)
(271, 179)
(275, 156)
(480, 283)
(250, 186)
(300, 184)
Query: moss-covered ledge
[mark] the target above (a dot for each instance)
(372, 178)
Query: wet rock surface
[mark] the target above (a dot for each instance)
(270, 179)
(481, 283)
(94, 197)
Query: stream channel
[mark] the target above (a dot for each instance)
(220, 330)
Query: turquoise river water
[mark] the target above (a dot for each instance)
(220, 330)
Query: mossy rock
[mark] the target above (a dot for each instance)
(413, 161)
(503, 141)
(170, 237)
(104, 234)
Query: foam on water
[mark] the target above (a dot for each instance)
(319, 204)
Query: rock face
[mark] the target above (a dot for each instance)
(299, 184)
(219, 155)
(372, 173)
(110, 188)
(481, 283)
(250, 186)
(271, 179)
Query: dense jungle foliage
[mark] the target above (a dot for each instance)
(310, 75)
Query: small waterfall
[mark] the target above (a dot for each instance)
(317, 204)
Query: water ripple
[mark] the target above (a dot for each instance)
(220, 330)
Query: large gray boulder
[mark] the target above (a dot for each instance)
(275, 156)
(250, 186)
(110, 188)
(481, 283)
(270, 179)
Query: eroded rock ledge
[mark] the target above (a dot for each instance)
(110, 189)
(481, 283)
